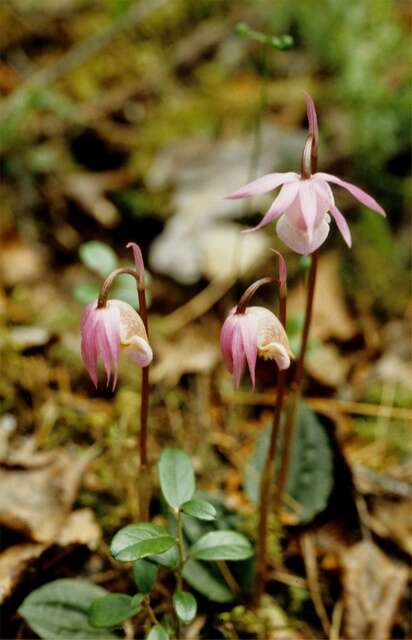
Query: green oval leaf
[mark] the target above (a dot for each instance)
(185, 605)
(177, 479)
(222, 545)
(98, 257)
(60, 609)
(199, 509)
(310, 476)
(140, 540)
(207, 581)
(144, 575)
(157, 633)
(112, 609)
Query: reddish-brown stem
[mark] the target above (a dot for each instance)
(296, 388)
(145, 485)
(266, 483)
(250, 292)
(108, 283)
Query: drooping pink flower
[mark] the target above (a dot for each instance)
(303, 204)
(245, 336)
(105, 330)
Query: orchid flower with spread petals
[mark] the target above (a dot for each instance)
(304, 202)
(104, 330)
(255, 332)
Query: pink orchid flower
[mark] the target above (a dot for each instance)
(303, 204)
(245, 336)
(105, 330)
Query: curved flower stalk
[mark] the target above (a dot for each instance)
(305, 202)
(105, 330)
(254, 332)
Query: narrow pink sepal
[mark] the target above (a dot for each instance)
(284, 199)
(238, 355)
(358, 193)
(88, 343)
(342, 225)
(262, 185)
(249, 331)
(312, 117)
(226, 334)
(138, 260)
(283, 270)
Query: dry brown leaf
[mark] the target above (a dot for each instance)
(373, 588)
(331, 318)
(80, 528)
(194, 350)
(36, 502)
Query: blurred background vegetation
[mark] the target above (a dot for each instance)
(113, 114)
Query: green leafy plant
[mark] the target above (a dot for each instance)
(148, 545)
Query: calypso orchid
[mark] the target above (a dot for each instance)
(105, 330)
(255, 332)
(108, 325)
(305, 200)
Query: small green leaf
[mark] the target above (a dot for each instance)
(207, 581)
(199, 509)
(144, 575)
(60, 609)
(98, 257)
(157, 633)
(114, 608)
(177, 479)
(222, 545)
(140, 540)
(185, 605)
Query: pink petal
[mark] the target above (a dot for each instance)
(138, 260)
(262, 185)
(342, 225)
(312, 117)
(249, 331)
(88, 344)
(226, 341)
(108, 340)
(285, 198)
(283, 271)
(309, 204)
(358, 193)
(238, 354)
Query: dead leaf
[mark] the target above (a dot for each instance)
(194, 350)
(27, 337)
(373, 588)
(36, 502)
(80, 528)
(331, 318)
